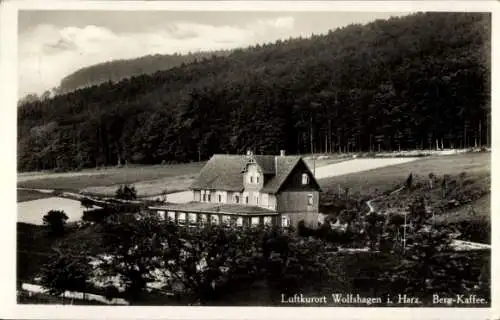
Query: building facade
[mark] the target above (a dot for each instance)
(251, 190)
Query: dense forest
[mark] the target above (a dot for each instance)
(420, 81)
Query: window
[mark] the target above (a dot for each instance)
(203, 218)
(257, 178)
(305, 178)
(214, 219)
(209, 197)
(255, 221)
(236, 198)
(220, 198)
(226, 219)
(285, 221)
(267, 221)
(181, 217)
(246, 199)
(161, 215)
(192, 217)
(171, 215)
(251, 179)
(204, 196)
(239, 221)
(310, 199)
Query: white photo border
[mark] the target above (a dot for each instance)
(8, 93)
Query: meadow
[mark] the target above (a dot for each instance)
(158, 178)
(372, 183)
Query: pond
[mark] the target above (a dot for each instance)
(33, 211)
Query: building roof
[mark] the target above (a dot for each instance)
(224, 172)
(222, 208)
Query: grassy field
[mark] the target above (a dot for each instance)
(374, 182)
(28, 195)
(145, 178)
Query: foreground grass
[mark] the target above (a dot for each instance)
(160, 175)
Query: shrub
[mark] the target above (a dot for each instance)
(96, 215)
(475, 230)
(87, 203)
(111, 292)
(126, 192)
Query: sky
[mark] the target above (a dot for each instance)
(53, 44)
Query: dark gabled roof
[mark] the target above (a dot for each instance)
(266, 163)
(224, 172)
(284, 165)
(222, 208)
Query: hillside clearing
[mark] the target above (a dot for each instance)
(367, 184)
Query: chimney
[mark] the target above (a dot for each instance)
(282, 153)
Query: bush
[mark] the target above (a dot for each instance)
(475, 230)
(111, 292)
(87, 203)
(126, 192)
(96, 215)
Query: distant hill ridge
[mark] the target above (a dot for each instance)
(117, 70)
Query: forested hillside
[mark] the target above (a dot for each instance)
(406, 83)
(119, 69)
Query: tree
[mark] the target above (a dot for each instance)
(409, 182)
(417, 212)
(65, 273)
(432, 176)
(130, 245)
(374, 227)
(126, 192)
(87, 203)
(462, 177)
(444, 185)
(55, 220)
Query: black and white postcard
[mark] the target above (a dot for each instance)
(241, 160)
